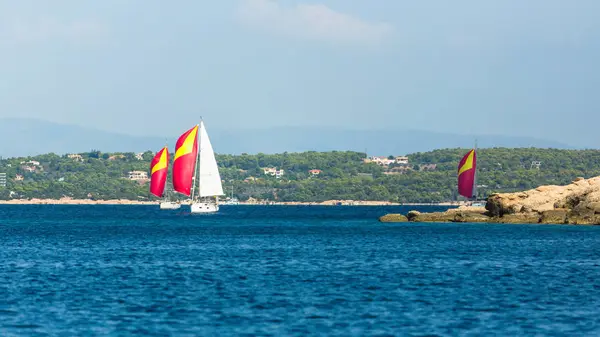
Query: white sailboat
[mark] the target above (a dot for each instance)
(168, 203)
(205, 198)
(231, 200)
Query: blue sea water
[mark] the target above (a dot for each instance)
(283, 270)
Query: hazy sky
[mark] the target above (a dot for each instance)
(510, 67)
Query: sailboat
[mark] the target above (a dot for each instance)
(467, 169)
(158, 177)
(168, 203)
(231, 200)
(195, 170)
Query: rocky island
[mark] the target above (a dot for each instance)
(577, 203)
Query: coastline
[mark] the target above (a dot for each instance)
(69, 201)
(66, 201)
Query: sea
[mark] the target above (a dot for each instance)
(102, 270)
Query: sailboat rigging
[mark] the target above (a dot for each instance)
(195, 170)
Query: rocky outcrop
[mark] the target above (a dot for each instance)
(581, 195)
(461, 214)
(393, 218)
(577, 203)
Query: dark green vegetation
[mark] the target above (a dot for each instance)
(344, 175)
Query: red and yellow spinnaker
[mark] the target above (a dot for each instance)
(158, 172)
(184, 162)
(466, 174)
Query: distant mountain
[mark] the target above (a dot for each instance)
(23, 137)
(375, 142)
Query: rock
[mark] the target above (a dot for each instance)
(545, 198)
(451, 215)
(584, 219)
(594, 207)
(556, 216)
(393, 218)
(470, 217)
(412, 215)
(521, 218)
(468, 209)
(433, 217)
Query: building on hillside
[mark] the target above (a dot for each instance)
(116, 156)
(31, 163)
(401, 160)
(427, 167)
(272, 171)
(30, 169)
(75, 157)
(137, 175)
(314, 172)
(380, 160)
(139, 156)
(19, 177)
(2, 179)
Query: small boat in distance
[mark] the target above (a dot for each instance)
(195, 165)
(231, 200)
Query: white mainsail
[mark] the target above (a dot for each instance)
(209, 179)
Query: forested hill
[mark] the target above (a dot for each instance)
(307, 176)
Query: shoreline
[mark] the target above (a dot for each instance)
(68, 201)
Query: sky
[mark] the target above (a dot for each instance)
(152, 67)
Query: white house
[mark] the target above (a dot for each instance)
(31, 162)
(137, 175)
(402, 160)
(272, 171)
(381, 160)
(75, 157)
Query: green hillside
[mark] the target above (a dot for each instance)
(428, 177)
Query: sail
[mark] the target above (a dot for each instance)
(184, 161)
(158, 172)
(466, 174)
(209, 182)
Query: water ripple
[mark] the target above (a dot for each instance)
(122, 271)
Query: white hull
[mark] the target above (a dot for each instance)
(169, 205)
(204, 207)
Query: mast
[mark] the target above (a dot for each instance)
(197, 167)
(199, 151)
(474, 197)
(166, 196)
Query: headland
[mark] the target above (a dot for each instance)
(577, 203)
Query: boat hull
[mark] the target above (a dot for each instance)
(169, 205)
(204, 207)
